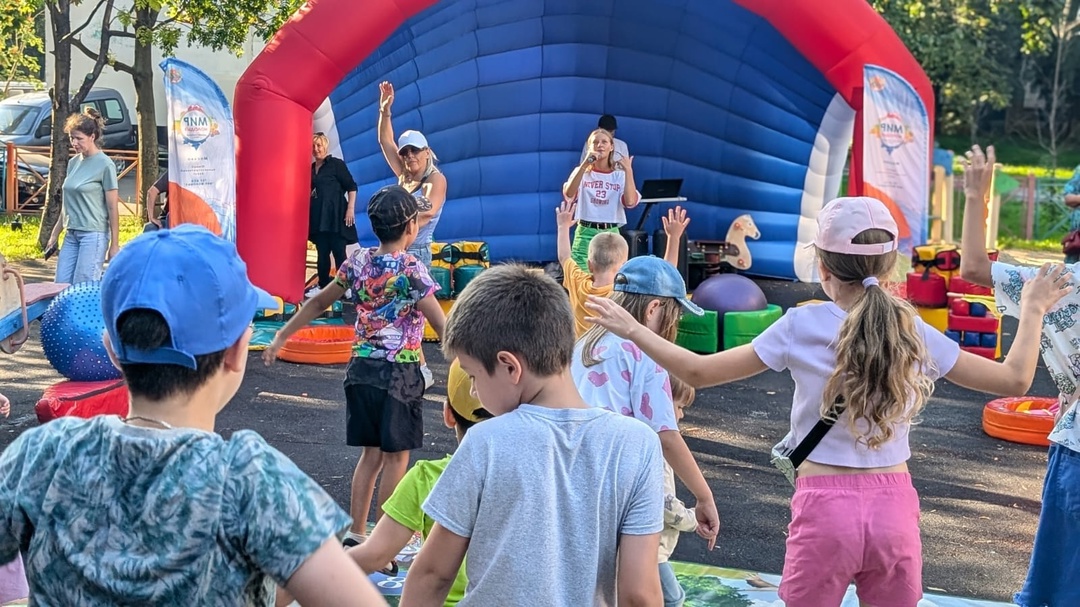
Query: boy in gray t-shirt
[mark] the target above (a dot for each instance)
(556, 502)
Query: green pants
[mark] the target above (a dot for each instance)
(579, 251)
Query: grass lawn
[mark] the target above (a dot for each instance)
(1019, 156)
(17, 245)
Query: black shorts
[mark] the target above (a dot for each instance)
(386, 410)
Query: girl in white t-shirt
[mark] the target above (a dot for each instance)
(613, 373)
(855, 513)
(604, 189)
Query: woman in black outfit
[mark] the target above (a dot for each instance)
(333, 208)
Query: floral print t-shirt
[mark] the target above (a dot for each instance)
(385, 290)
(626, 381)
(1060, 342)
(112, 514)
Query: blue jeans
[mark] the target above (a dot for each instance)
(81, 257)
(1051, 575)
(422, 251)
(674, 595)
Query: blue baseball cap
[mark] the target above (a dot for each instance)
(195, 280)
(649, 275)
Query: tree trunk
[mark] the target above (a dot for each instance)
(60, 19)
(143, 77)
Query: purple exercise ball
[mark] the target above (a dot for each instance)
(729, 293)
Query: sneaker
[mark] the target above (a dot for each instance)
(349, 542)
(429, 379)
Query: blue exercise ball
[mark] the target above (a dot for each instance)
(71, 335)
(729, 293)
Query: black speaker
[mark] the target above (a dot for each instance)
(637, 240)
(659, 247)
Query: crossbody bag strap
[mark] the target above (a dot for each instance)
(818, 432)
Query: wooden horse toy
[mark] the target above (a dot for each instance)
(736, 252)
(21, 304)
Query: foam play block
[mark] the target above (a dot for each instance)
(953, 335)
(988, 340)
(969, 339)
(929, 290)
(429, 333)
(990, 353)
(978, 309)
(963, 287)
(975, 324)
(699, 333)
(742, 327)
(935, 317)
(960, 307)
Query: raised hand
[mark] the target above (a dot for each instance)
(979, 171)
(611, 316)
(675, 223)
(5, 406)
(564, 214)
(386, 96)
(625, 163)
(1050, 284)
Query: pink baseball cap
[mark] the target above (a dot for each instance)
(842, 219)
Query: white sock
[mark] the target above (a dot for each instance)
(355, 536)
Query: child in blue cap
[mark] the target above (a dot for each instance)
(155, 508)
(613, 373)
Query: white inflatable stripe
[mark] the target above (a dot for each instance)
(824, 172)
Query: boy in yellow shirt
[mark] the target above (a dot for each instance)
(608, 251)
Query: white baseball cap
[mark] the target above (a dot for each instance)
(415, 139)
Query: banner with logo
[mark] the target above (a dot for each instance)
(202, 158)
(896, 151)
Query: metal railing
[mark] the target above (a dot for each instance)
(30, 197)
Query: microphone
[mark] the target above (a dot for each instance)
(591, 159)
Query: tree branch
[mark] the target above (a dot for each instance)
(102, 54)
(86, 23)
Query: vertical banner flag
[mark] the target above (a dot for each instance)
(896, 151)
(202, 157)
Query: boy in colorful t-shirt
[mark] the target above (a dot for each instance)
(384, 387)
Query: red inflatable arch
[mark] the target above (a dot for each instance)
(286, 83)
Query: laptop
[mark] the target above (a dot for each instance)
(660, 188)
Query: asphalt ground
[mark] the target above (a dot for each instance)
(980, 496)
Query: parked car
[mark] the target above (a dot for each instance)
(18, 87)
(27, 119)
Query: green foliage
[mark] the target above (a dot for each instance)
(20, 245)
(217, 24)
(709, 591)
(18, 35)
(972, 50)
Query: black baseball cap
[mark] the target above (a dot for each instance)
(607, 122)
(391, 206)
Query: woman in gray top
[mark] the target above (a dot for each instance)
(91, 198)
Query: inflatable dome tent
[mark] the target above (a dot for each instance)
(752, 102)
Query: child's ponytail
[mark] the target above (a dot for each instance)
(880, 356)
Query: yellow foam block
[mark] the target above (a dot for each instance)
(935, 317)
(429, 333)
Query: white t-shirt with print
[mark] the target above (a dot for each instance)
(626, 381)
(599, 197)
(803, 342)
(1060, 342)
